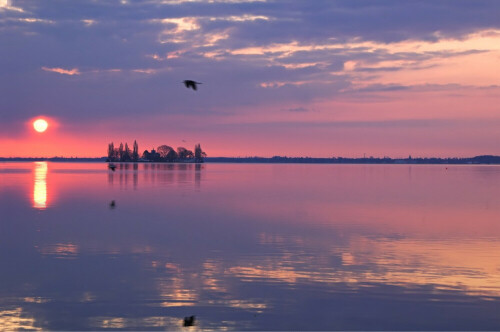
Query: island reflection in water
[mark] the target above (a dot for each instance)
(249, 247)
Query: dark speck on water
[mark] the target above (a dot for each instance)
(189, 321)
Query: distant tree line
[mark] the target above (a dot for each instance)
(485, 159)
(163, 153)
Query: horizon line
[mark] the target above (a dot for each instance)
(410, 157)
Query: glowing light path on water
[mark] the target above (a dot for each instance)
(40, 186)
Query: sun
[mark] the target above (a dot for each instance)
(40, 125)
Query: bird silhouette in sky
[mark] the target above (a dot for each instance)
(191, 84)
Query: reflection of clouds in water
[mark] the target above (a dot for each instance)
(112, 323)
(15, 319)
(467, 266)
(88, 297)
(166, 322)
(176, 290)
(265, 238)
(140, 249)
(207, 288)
(37, 299)
(60, 250)
(211, 276)
(242, 304)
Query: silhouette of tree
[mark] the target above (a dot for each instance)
(154, 156)
(163, 150)
(135, 152)
(184, 153)
(111, 151)
(198, 153)
(171, 156)
(151, 156)
(120, 151)
(167, 153)
(127, 155)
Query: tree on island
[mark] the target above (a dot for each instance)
(167, 153)
(123, 153)
(151, 156)
(164, 153)
(184, 153)
(127, 155)
(198, 154)
(111, 151)
(135, 152)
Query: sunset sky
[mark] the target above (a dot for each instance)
(296, 78)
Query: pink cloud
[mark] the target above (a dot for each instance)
(62, 71)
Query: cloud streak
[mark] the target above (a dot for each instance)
(62, 71)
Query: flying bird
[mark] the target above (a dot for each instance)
(191, 84)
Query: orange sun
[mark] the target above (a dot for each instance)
(40, 125)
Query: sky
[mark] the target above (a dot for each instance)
(316, 78)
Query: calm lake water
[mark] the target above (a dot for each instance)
(249, 247)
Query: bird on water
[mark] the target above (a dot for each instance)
(189, 321)
(191, 84)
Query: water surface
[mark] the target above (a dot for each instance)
(249, 246)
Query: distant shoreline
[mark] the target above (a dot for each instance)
(478, 160)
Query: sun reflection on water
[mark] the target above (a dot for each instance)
(40, 186)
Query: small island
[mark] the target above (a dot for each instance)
(163, 153)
